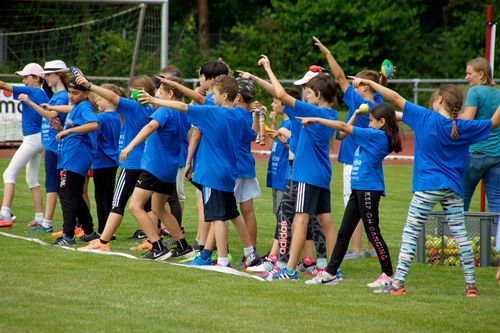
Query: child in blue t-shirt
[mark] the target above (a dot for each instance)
(57, 78)
(217, 176)
(367, 181)
(135, 116)
(311, 167)
(441, 147)
(30, 151)
(76, 151)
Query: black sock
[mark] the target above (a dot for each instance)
(181, 244)
(158, 245)
(103, 241)
(202, 247)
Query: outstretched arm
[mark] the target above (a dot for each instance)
(388, 94)
(336, 69)
(342, 135)
(41, 111)
(278, 88)
(143, 134)
(6, 86)
(104, 93)
(335, 124)
(195, 96)
(146, 98)
(57, 108)
(261, 82)
(85, 128)
(495, 120)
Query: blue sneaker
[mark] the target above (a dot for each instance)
(39, 228)
(199, 261)
(339, 275)
(282, 274)
(354, 255)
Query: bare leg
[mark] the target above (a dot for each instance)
(50, 205)
(36, 193)
(8, 194)
(250, 221)
(300, 222)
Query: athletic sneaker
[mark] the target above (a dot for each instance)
(252, 259)
(168, 240)
(282, 274)
(32, 224)
(189, 259)
(354, 255)
(39, 229)
(158, 254)
(89, 237)
(380, 282)
(324, 278)
(6, 221)
(199, 261)
(145, 245)
(390, 289)
(181, 254)
(64, 241)
(138, 234)
(79, 232)
(266, 266)
(95, 245)
(471, 291)
(371, 254)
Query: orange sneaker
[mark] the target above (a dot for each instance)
(79, 232)
(144, 246)
(57, 234)
(95, 245)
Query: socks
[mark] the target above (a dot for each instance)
(103, 241)
(181, 244)
(248, 250)
(5, 212)
(46, 223)
(290, 271)
(39, 217)
(223, 261)
(158, 245)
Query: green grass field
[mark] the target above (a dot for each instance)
(49, 289)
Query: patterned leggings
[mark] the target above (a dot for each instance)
(421, 206)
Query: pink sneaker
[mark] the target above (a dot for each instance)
(380, 282)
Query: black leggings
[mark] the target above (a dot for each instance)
(104, 185)
(364, 205)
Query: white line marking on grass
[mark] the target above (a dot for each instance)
(225, 270)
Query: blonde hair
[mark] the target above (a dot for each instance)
(453, 101)
(480, 64)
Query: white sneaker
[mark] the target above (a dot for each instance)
(323, 278)
(380, 282)
(265, 266)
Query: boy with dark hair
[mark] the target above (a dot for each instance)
(311, 168)
(217, 176)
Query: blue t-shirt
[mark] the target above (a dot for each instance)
(440, 161)
(135, 117)
(278, 168)
(373, 147)
(246, 161)
(209, 99)
(223, 131)
(163, 149)
(185, 139)
(312, 161)
(486, 99)
(48, 133)
(295, 128)
(31, 122)
(107, 137)
(353, 100)
(77, 149)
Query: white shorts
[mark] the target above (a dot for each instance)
(246, 189)
(347, 183)
(179, 183)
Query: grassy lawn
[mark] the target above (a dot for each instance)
(49, 289)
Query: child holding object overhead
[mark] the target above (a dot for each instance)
(441, 147)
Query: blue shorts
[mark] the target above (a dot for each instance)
(52, 176)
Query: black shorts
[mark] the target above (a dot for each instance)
(312, 200)
(124, 189)
(219, 205)
(147, 181)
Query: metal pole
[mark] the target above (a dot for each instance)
(164, 34)
(138, 39)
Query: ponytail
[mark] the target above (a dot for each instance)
(390, 127)
(453, 99)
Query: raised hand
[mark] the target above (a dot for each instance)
(264, 62)
(144, 97)
(24, 98)
(82, 80)
(320, 45)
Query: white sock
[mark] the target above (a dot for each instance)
(248, 251)
(223, 261)
(46, 223)
(5, 211)
(39, 218)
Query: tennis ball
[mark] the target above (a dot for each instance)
(363, 108)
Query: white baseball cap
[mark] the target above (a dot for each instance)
(54, 66)
(307, 77)
(32, 69)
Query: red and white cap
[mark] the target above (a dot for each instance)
(307, 77)
(32, 69)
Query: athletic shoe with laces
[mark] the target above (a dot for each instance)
(6, 221)
(391, 289)
(471, 291)
(324, 278)
(199, 261)
(380, 282)
(89, 237)
(79, 232)
(266, 266)
(95, 245)
(354, 255)
(182, 253)
(64, 241)
(39, 229)
(252, 259)
(282, 274)
(158, 254)
(371, 254)
(145, 245)
(138, 234)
